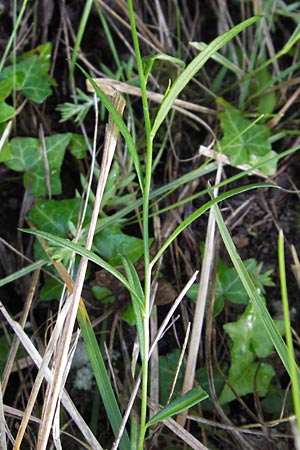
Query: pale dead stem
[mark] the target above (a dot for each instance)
(180, 431)
(205, 277)
(296, 265)
(55, 386)
(15, 344)
(144, 33)
(107, 85)
(2, 423)
(48, 375)
(63, 329)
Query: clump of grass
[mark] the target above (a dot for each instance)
(138, 163)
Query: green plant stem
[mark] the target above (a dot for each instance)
(12, 37)
(146, 200)
(79, 36)
(288, 332)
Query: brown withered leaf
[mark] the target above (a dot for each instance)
(165, 291)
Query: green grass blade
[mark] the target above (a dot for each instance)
(288, 328)
(249, 286)
(13, 35)
(195, 65)
(222, 60)
(102, 379)
(183, 403)
(138, 302)
(134, 281)
(196, 214)
(79, 36)
(117, 118)
(22, 272)
(65, 243)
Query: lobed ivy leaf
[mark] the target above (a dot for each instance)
(56, 217)
(30, 74)
(249, 341)
(245, 142)
(230, 287)
(28, 157)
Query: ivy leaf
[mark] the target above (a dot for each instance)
(230, 287)
(29, 75)
(43, 52)
(249, 340)
(167, 368)
(78, 146)
(244, 142)
(6, 85)
(111, 243)
(56, 217)
(36, 85)
(28, 157)
(6, 112)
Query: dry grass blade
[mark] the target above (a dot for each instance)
(2, 423)
(187, 437)
(296, 265)
(144, 31)
(51, 347)
(210, 153)
(55, 387)
(9, 410)
(5, 134)
(15, 344)
(108, 85)
(160, 333)
(37, 359)
(207, 265)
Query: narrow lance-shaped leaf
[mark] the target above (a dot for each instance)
(179, 405)
(65, 243)
(102, 378)
(138, 301)
(195, 65)
(117, 118)
(249, 286)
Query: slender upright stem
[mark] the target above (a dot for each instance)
(149, 146)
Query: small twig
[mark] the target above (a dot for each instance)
(107, 85)
(45, 160)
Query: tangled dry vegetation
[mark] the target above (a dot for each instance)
(151, 229)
